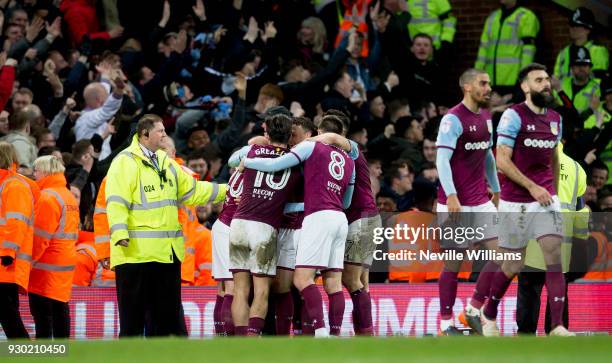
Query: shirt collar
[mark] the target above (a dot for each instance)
(148, 153)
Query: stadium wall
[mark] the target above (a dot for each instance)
(397, 309)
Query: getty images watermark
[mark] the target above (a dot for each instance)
(423, 239)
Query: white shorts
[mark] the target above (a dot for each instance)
(483, 216)
(252, 247)
(288, 240)
(322, 241)
(220, 252)
(520, 222)
(360, 246)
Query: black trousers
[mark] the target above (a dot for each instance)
(52, 317)
(150, 294)
(10, 318)
(530, 284)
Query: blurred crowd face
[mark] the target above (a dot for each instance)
(599, 177)
(386, 204)
(307, 35)
(429, 150)
(403, 184)
(198, 139)
(422, 48)
(21, 100)
(47, 140)
(375, 169)
(14, 33)
(377, 107)
(20, 18)
(199, 166)
(431, 174)
(76, 192)
(479, 90)
(581, 72)
(360, 137)
(605, 203)
(415, 132)
(578, 33)
(345, 85)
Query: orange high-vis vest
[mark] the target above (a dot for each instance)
(189, 222)
(100, 222)
(56, 228)
(203, 258)
(86, 260)
(355, 16)
(16, 233)
(600, 269)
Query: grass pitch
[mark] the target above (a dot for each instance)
(303, 350)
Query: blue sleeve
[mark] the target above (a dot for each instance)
(449, 132)
(491, 171)
(354, 153)
(560, 135)
(293, 207)
(238, 155)
(508, 128)
(297, 155)
(348, 194)
(445, 173)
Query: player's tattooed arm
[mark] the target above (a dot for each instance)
(348, 194)
(556, 167)
(238, 155)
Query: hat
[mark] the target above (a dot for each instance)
(580, 56)
(583, 17)
(275, 110)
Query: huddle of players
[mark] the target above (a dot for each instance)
(289, 214)
(528, 134)
(259, 239)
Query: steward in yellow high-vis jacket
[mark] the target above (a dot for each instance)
(143, 190)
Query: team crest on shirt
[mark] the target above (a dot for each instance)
(554, 128)
(490, 126)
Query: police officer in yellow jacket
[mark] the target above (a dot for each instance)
(582, 86)
(572, 184)
(507, 44)
(581, 24)
(143, 190)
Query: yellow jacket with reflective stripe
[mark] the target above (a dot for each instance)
(606, 155)
(502, 52)
(434, 18)
(582, 99)
(599, 57)
(572, 184)
(142, 205)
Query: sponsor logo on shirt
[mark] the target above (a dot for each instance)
(477, 145)
(540, 144)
